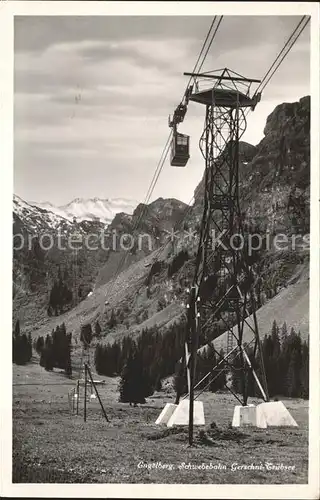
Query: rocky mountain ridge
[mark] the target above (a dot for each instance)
(274, 176)
(42, 248)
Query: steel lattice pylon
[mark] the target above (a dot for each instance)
(223, 281)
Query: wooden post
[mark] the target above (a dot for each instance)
(192, 358)
(97, 394)
(191, 398)
(78, 395)
(70, 398)
(72, 402)
(195, 332)
(85, 393)
(180, 375)
(187, 357)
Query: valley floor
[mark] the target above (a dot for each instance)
(52, 446)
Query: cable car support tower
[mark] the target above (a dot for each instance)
(223, 278)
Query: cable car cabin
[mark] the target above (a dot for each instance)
(179, 150)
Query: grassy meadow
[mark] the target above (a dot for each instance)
(50, 445)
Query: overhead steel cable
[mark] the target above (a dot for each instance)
(156, 174)
(268, 77)
(282, 55)
(210, 43)
(148, 196)
(265, 80)
(203, 47)
(271, 71)
(166, 149)
(160, 165)
(189, 207)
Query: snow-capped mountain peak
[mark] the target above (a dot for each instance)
(90, 209)
(38, 218)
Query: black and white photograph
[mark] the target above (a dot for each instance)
(163, 249)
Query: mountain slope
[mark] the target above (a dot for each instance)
(36, 218)
(274, 191)
(36, 269)
(148, 229)
(290, 306)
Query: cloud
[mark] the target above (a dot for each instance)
(94, 94)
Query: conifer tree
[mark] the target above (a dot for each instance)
(267, 352)
(284, 333)
(97, 329)
(236, 368)
(86, 334)
(21, 349)
(113, 320)
(304, 372)
(21, 346)
(180, 381)
(115, 355)
(60, 297)
(29, 356)
(39, 344)
(273, 361)
(46, 358)
(68, 367)
(295, 364)
(133, 384)
(99, 359)
(17, 329)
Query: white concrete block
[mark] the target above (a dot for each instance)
(260, 418)
(166, 414)
(248, 416)
(236, 416)
(277, 415)
(181, 414)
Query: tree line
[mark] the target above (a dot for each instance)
(158, 351)
(144, 362)
(286, 361)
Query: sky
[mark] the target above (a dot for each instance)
(92, 97)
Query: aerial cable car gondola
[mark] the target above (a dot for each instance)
(180, 142)
(179, 149)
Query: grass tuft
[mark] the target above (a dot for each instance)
(164, 433)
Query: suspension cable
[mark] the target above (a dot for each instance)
(203, 46)
(209, 46)
(283, 53)
(167, 145)
(277, 62)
